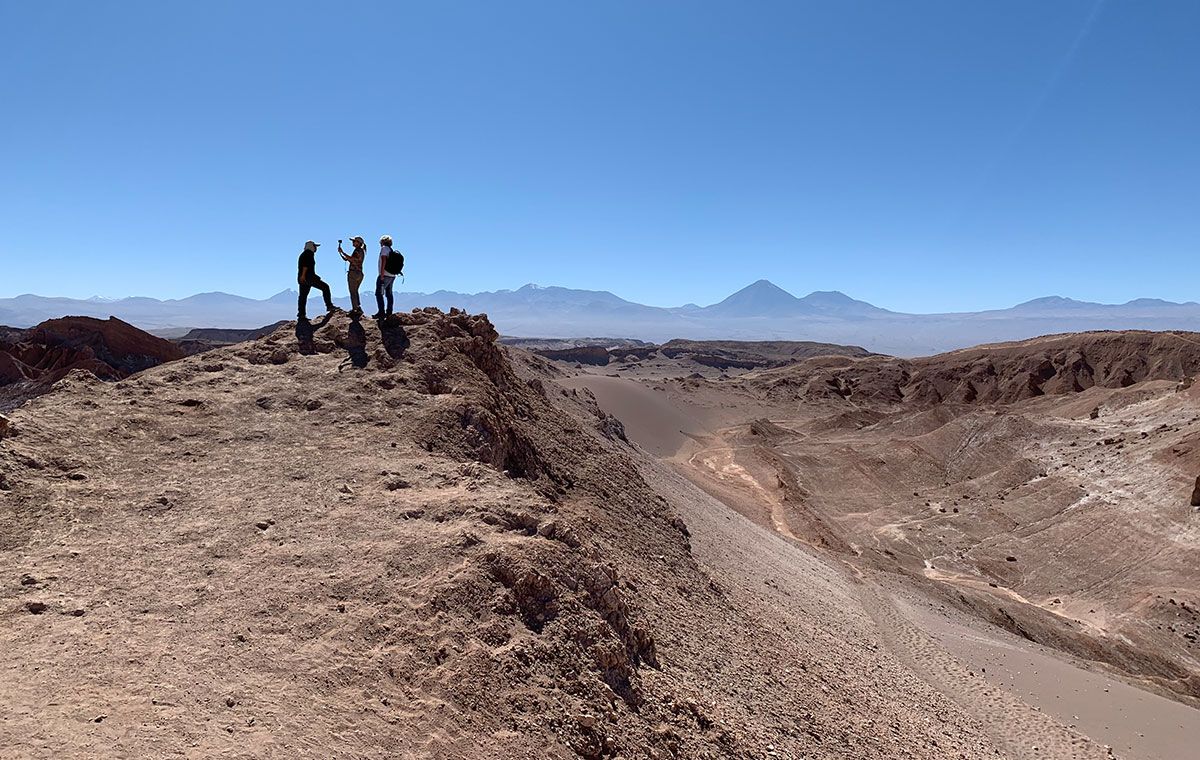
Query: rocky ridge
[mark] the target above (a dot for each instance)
(721, 355)
(999, 373)
(382, 541)
(1048, 486)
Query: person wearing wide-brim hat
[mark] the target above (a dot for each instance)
(354, 275)
(307, 278)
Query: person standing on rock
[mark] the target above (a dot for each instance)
(354, 276)
(307, 279)
(391, 265)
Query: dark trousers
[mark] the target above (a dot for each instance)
(307, 285)
(383, 285)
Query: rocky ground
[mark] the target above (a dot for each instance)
(1052, 477)
(1044, 489)
(347, 540)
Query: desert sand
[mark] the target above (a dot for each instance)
(1136, 722)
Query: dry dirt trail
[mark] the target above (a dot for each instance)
(721, 462)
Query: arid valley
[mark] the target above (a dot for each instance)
(411, 539)
(600, 380)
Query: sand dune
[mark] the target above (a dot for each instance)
(650, 417)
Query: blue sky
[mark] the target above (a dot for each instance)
(924, 156)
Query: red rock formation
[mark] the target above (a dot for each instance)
(1052, 365)
(33, 360)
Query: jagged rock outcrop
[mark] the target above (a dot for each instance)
(1000, 373)
(594, 355)
(119, 345)
(32, 360)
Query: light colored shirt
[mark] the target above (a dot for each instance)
(384, 250)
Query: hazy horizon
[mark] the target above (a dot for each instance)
(543, 286)
(929, 157)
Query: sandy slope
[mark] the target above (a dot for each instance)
(1137, 723)
(360, 543)
(830, 480)
(660, 428)
(814, 601)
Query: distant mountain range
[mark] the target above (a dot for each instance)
(760, 311)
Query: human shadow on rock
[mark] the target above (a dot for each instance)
(355, 343)
(395, 340)
(305, 331)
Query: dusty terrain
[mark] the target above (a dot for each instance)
(1043, 488)
(342, 541)
(556, 344)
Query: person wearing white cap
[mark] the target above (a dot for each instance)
(307, 279)
(391, 265)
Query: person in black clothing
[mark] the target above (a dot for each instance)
(307, 278)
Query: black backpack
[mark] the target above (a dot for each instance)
(394, 263)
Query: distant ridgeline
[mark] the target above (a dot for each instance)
(761, 311)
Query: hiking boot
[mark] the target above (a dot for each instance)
(377, 315)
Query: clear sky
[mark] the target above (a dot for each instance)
(921, 155)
